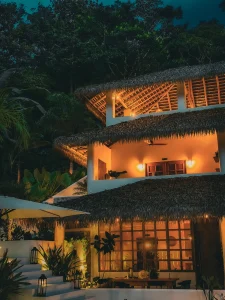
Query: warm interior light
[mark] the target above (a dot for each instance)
(206, 216)
(132, 114)
(82, 267)
(190, 237)
(158, 110)
(148, 245)
(141, 167)
(117, 220)
(190, 163)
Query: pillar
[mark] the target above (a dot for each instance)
(110, 108)
(221, 150)
(90, 168)
(94, 255)
(59, 234)
(181, 97)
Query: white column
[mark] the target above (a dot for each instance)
(181, 97)
(90, 168)
(221, 150)
(59, 234)
(94, 255)
(110, 108)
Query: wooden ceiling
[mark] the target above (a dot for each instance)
(162, 97)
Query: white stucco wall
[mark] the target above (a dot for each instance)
(22, 249)
(200, 149)
(149, 294)
(126, 156)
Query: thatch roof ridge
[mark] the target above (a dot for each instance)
(175, 198)
(179, 74)
(152, 127)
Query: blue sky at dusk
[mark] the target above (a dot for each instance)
(194, 10)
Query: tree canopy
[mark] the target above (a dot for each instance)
(47, 53)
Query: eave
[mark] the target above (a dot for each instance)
(152, 127)
(173, 199)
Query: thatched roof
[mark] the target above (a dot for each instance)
(170, 75)
(151, 127)
(203, 85)
(176, 198)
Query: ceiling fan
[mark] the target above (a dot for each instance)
(151, 143)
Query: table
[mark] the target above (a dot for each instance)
(170, 283)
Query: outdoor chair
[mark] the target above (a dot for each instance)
(186, 284)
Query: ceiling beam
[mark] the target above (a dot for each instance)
(153, 95)
(191, 94)
(121, 101)
(218, 89)
(161, 97)
(205, 92)
(168, 98)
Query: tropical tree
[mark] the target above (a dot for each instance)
(14, 51)
(222, 5)
(40, 186)
(13, 125)
(81, 187)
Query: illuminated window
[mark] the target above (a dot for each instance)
(144, 245)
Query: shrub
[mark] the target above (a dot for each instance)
(11, 281)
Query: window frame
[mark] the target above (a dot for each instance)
(165, 167)
(167, 250)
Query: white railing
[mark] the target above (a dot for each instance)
(96, 186)
(117, 120)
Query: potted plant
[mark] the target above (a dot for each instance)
(154, 274)
(208, 286)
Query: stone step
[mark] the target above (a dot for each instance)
(23, 260)
(69, 295)
(55, 289)
(30, 268)
(36, 274)
(51, 280)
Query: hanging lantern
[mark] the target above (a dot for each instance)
(77, 280)
(34, 256)
(42, 286)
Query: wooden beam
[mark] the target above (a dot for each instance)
(121, 101)
(168, 98)
(138, 91)
(218, 89)
(162, 96)
(152, 94)
(98, 100)
(95, 111)
(205, 92)
(191, 94)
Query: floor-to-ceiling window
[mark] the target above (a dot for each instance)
(166, 245)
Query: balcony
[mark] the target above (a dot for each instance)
(164, 158)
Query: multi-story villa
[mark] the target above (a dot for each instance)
(156, 172)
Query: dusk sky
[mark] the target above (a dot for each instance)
(194, 10)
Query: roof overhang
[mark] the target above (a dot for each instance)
(204, 85)
(152, 127)
(152, 199)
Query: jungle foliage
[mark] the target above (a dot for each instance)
(48, 52)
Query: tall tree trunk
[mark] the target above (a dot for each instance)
(18, 173)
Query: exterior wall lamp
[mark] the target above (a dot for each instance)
(141, 167)
(190, 163)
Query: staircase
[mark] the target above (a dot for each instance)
(56, 288)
